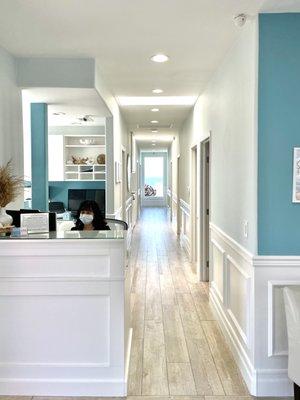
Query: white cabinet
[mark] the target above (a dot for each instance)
(55, 158)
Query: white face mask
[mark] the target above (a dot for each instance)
(86, 219)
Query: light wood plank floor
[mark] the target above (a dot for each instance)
(178, 350)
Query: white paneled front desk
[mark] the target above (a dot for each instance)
(64, 314)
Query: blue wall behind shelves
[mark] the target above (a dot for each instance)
(58, 190)
(278, 133)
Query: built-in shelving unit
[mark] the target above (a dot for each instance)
(81, 172)
(86, 149)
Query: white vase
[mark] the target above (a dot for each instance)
(5, 219)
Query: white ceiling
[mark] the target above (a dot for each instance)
(75, 103)
(124, 34)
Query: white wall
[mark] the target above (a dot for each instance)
(227, 109)
(120, 137)
(174, 201)
(56, 72)
(11, 141)
(245, 289)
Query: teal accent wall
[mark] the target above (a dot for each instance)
(278, 133)
(39, 155)
(58, 190)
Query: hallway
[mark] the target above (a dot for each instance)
(177, 347)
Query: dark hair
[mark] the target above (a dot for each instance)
(98, 222)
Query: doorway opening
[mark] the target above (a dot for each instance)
(204, 209)
(154, 179)
(194, 208)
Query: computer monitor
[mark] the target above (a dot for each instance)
(77, 196)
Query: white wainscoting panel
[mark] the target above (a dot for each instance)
(248, 303)
(185, 226)
(218, 269)
(230, 292)
(174, 203)
(129, 220)
(65, 325)
(277, 332)
(238, 298)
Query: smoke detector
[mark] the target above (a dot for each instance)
(240, 20)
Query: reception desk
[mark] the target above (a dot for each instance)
(64, 314)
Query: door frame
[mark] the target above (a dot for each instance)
(205, 204)
(170, 189)
(124, 182)
(178, 222)
(154, 202)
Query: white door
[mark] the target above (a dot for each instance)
(154, 179)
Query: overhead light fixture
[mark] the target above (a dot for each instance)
(87, 118)
(154, 130)
(157, 91)
(156, 100)
(59, 113)
(159, 58)
(154, 122)
(154, 109)
(153, 144)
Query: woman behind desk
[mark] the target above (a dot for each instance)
(90, 218)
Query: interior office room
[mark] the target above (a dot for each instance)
(149, 199)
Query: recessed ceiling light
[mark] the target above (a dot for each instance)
(157, 91)
(154, 131)
(153, 144)
(155, 109)
(154, 122)
(159, 58)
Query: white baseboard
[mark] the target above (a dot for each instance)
(273, 383)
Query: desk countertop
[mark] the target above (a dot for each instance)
(98, 235)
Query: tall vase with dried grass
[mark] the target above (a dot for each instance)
(10, 188)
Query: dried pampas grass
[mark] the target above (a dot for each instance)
(10, 185)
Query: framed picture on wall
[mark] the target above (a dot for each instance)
(296, 175)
